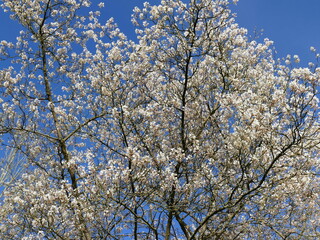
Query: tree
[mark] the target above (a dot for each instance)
(191, 132)
(12, 166)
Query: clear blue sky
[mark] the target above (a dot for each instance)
(293, 25)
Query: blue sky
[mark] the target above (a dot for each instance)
(293, 25)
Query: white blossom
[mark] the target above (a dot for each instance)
(192, 131)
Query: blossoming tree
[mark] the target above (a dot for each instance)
(11, 168)
(192, 131)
